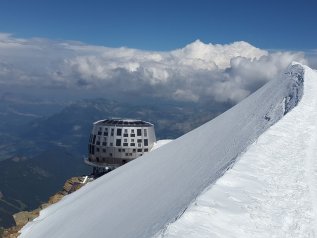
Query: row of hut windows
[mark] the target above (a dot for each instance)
(125, 132)
(104, 150)
(125, 142)
(123, 150)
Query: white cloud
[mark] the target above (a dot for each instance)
(207, 56)
(197, 72)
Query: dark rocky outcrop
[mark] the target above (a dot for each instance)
(22, 218)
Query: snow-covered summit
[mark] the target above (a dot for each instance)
(142, 197)
(220, 55)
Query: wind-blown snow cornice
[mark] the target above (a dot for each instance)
(271, 190)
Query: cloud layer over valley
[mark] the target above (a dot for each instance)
(198, 72)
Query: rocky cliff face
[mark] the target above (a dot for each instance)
(21, 218)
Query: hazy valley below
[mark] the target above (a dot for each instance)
(43, 143)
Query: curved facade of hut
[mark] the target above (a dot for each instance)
(114, 142)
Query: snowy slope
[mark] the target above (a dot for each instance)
(271, 191)
(140, 198)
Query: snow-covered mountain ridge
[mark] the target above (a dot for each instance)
(142, 197)
(272, 189)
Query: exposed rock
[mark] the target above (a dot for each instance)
(21, 218)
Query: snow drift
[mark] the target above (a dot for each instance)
(272, 189)
(142, 197)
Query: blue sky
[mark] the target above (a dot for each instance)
(165, 25)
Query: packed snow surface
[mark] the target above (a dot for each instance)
(140, 198)
(271, 191)
(160, 143)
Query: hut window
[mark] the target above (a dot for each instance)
(119, 132)
(132, 133)
(139, 132)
